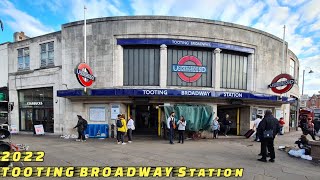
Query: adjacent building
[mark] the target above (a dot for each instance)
(147, 66)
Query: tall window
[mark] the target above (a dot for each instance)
(292, 68)
(141, 66)
(47, 54)
(234, 71)
(23, 59)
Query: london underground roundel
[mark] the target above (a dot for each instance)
(282, 86)
(84, 74)
(183, 70)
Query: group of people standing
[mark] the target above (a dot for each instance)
(122, 126)
(225, 123)
(171, 126)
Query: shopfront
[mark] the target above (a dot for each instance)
(36, 107)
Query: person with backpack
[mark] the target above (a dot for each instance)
(81, 127)
(121, 128)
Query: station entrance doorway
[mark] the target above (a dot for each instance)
(145, 119)
(234, 117)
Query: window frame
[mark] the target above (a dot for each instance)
(24, 58)
(234, 70)
(292, 68)
(48, 61)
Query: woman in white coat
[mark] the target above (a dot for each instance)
(130, 127)
(181, 128)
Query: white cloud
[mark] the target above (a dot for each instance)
(252, 12)
(310, 10)
(315, 26)
(312, 83)
(44, 5)
(95, 9)
(292, 2)
(207, 9)
(21, 21)
(230, 12)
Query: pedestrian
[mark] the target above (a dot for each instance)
(181, 128)
(81, 127)
(269, 127)
(122, 128)
(281, 123)
(303, 124)
(130, 127)
(226, 123)
(255, 127)
(170, 126)
(259, 133)
(310, 129)
(215, 127)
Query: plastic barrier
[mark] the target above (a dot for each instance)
(97, 130)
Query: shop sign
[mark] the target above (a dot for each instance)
(84, 74)
(34, 103)
(181, 69)
(285, 85)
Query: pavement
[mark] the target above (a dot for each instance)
(205, 153)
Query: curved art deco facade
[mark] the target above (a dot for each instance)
(142, 63)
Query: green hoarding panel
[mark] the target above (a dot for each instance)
(198, 117)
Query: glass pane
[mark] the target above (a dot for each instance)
(20, 52)
(50, 46)
(27, 62)
(26, 51)
(229, 73)
(44, 55)
(43, 62)
(51, 54)
(20, 62)
(43, 47)
(236, 67)
(240, 73)
(245, 72)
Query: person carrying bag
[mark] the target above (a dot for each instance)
(270, 128)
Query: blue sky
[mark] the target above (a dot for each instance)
(301, 17)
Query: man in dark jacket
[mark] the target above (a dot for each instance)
(268, 123)
(226, 124)
(81, 126)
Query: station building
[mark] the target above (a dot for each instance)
(141, 65)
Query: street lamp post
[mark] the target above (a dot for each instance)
(303, 78)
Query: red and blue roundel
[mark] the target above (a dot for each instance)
(284, 86)
(189, 73)
(84, 74)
